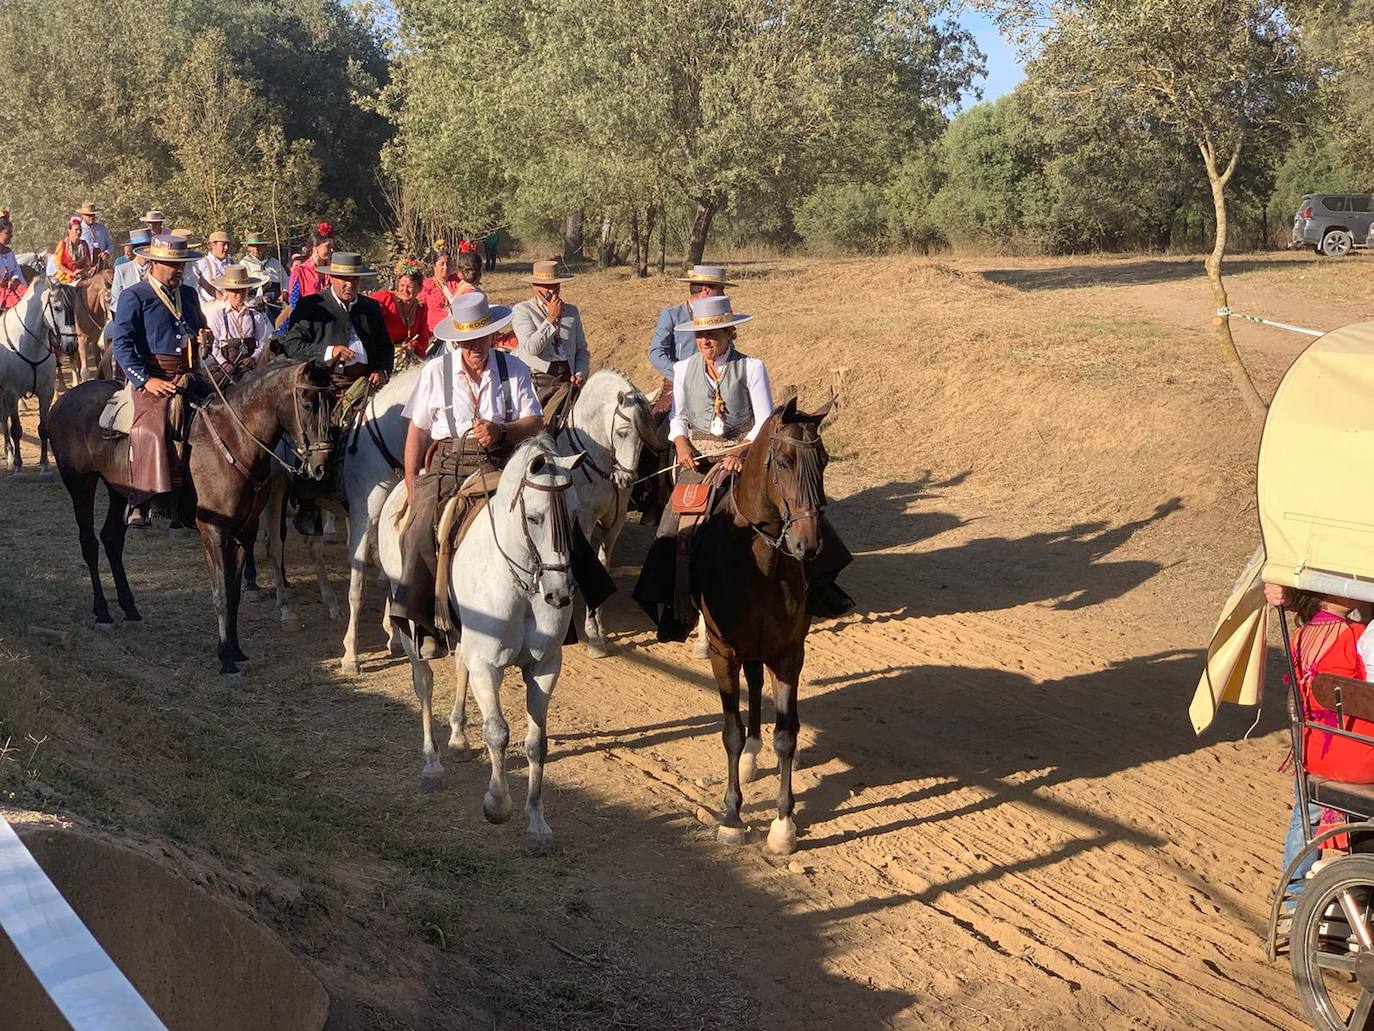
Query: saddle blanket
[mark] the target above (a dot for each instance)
(117, 416)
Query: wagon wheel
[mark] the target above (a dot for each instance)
(1332, 945)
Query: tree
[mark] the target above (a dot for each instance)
(1227, 75)
(626, 107)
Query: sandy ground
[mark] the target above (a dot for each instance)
(1006, 819)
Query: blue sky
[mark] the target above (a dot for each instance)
(1004, 68)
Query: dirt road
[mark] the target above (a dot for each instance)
(1007, 821)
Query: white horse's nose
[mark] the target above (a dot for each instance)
(558, 599)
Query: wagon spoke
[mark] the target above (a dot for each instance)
(1341, 962)
(1359, 1020)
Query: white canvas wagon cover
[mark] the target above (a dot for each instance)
(1315, 487)
(1315, 481)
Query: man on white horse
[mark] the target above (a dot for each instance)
(466, 415)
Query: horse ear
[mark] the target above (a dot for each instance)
(620, 399)
(820, 413)
(574, 461)
(537, 464)
(789, 410)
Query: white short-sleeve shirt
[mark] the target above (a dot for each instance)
(426, 407)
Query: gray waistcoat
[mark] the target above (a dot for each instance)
(698, 394)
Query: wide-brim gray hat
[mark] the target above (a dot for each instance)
(471, 317)
(712, 313)
(171, 249)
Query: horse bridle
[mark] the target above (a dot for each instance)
(778, 542)
(588, 463)
(562, 533)
(52, 344)
(301, 453)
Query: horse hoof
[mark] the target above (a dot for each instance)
(253, 593)
(782, 837)
(496, 810)
(597, 650)
(232, 680)
(701, 650)
(431, 782)
(539, 843)
(133, 618)
(106, 624)
(350, 666)
(244, 665)
(45, 473)
(727, 835)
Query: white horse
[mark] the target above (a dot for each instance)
(609, 423)
(371, 457)
(31, 333)
(512, 586)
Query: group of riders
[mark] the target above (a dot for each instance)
(492, 377)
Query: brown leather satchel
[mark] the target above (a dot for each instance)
(691, 498)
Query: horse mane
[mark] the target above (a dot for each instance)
(607, 381)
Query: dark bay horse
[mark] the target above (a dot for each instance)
(229, 468)
(749, 581)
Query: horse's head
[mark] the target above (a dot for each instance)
(632, 427)
(59, 314)
(547, 506)
(310, 419)
(795, 462)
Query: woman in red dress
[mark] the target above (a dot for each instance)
(72, 256)
(405, 313)
(306, 278)
(441, 287)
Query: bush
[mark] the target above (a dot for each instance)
(843, 216)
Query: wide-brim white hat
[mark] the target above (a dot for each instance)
(470, 317)
(712, 313)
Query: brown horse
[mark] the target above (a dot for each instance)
(749, 580)
(92, 312)
(229, 468)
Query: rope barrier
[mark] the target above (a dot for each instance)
(1227, 313)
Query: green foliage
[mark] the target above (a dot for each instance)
(218, 115)
(843, 216)
(633, 107)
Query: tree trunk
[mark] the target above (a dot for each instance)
(701, 226)
(635, 251)
(572, 234)
(643, 242)
(662, 239)
(1235, 365)
(606, 251)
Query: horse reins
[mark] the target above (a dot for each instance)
(54, 336)
(779, 542)
(562, 532)
(302, 454)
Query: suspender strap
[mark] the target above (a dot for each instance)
(448, 393)
(507, 405)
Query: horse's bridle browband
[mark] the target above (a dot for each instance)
(778, 542)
